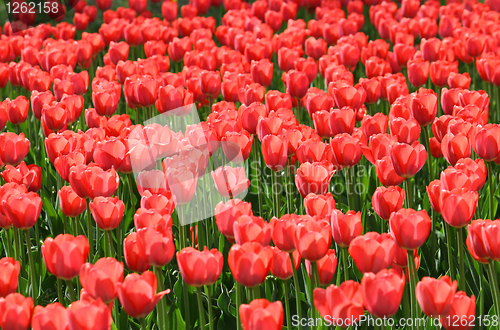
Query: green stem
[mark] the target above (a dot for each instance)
(350, 189)
(160, 309)
(76, 230)
(450, 252)
(60, 296)
(90, 234)
(481, 290)
(34, 290)
(297, 290)
(143, 323)
(408, 193)
(238, 303)
(131, 189)
(429, 156)
(9, 243)
(287, 305)
(111, 251)
(494, 284)
(116, 315)
(71, 290)
(210, 309)
(201, 310)
(65, 224)
(276, 196)
(255, 292)
(17, 254)
(492, 190)
(345, 255)
(412, 285)
(461, 266)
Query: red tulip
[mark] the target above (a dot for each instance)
(349, 96)
(134, 258)
(23, 210)
(13, 148)
(372, 252)
(230, 181)
(346, 149)
(409, 228)
(462, 308)
(251, 115)
(386, 172)
(418, 72)
(345, 227)
(343, 304)
(382, 292)
(72, 205)
(29, 175)
(199, 268)
(107, 212)
(91, 181)
(252, 229)
(283, 233)
(261, 314)
(407, 159)
(313, 178)
(210, 83)
(85, 315)
(440, 70)
(455, 147)
(65, 255)
(342, 120)
(262, 72)
(427, 291)
(237, 146)
(169, 10)
(250, 263)
(385, 201)
(118, 51)
(457, 80)
(321, 205)
(313, 239)
(156, 245)
(18, 109)
(296, 83)
(53, 316)
(9, 276)
(280, 263)
(16, 312)
(424, 106)
(274, 151)
(228, 213)
(374, 125)
(486, 142)
(326, 267)
(458, 206)
(100, 280)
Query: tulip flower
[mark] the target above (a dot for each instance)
(424, 106)
(274, 151)
(313, 178)
(91, 181)
(409, 228)
(260, 314)
(65, 255)
(13, 148)
(228, 213)
(9, 274)
(23, 210)
(134, 258)
(455, 147)
(429, 288)
(283, 233)
(382, 292)
(385, 201)
(251, 115)
(230, 181)
(321, 205)
(280, 263)
(463, 307)
(250, 263)
(53, 316)
(458, 206)
(326, 267)
(101, 279)
(29, 175)
(85, 315)
(407, 159)
(16, 312)
(199, 268)
(252, 229)
(107, 212)
(312, 239)
(344, 303)
(156, 245)
(372, 252)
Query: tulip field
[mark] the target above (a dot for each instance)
(261, 165)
